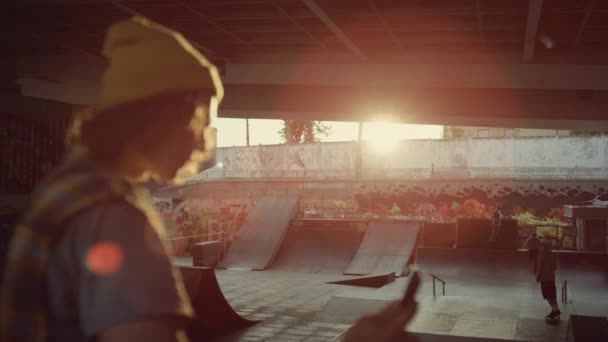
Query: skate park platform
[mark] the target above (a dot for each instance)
(302, 306)
(490, 294)
(297, 306)
(315, 246)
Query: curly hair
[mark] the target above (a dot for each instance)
(106, 134)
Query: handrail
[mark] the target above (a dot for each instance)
(410, 173)
(565, 292)
(441, 281)
(194, 236)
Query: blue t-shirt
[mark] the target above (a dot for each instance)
(92, 289)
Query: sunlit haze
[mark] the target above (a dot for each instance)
(232, 132)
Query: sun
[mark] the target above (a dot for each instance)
(382, 136)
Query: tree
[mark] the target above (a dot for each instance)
(302, 132)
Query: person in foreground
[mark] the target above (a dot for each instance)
(89, 260)
(545, 275)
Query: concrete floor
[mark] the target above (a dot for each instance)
(297, 306)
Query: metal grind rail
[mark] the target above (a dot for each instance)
(436, 278)
(195, 236)
(565, 292)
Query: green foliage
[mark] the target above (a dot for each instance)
(588, 132)
(302, 132)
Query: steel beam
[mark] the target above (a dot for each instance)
(581, 29)
(466, 107)
(211, 22)
(479, 18)
(396, 40)
(337, 31)
(563, 109)
(296, 24)
(510, 76)
(130, 11)
(535, 8)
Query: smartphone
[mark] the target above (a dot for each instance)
(412, 288)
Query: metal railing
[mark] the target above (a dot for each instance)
(196, 236)
(565, 292)
(435, 278)
(410, 173)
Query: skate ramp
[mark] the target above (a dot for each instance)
(479, 273)
(386, 248)
(318, 249)
(472, 233)
(439, 235)
(214, 315)
(261, 235)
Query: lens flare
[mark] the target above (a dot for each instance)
(382, 136)
(104, 258)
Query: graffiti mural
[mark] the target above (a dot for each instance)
(530, 202)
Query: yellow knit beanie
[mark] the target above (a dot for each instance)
(147, 59)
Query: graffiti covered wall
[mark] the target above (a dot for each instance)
(447, 200)
(434, 179)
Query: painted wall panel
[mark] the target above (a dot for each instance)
(552, 156)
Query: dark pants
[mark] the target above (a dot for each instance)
(548, 290)
(533, 253)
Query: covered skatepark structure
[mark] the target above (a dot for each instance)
(489, 63)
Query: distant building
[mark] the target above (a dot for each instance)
(454, 132)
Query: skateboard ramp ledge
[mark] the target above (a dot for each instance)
(214, 315)
(587, 328)
(318, 248)
(376, 281)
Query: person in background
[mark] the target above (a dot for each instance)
(533, 245)
(89, 260)
(495, 225)
(545, 275)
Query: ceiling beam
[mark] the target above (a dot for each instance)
(130, 11)
(296, 24)
(439, 106)
(396, 40)
(211, 22)
(581, 29)
(534, 12)
(96, 57)
(479, 18)
(506, 76)
(335, 29)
